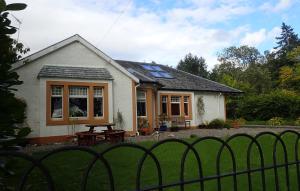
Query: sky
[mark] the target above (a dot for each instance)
(163, 31)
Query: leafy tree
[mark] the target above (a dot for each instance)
(242, 56)
(12, 110)
(194, 65)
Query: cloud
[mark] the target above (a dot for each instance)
(279, 6)
(125, 31)
(258, 37)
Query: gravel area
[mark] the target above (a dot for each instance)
(208, 132)
(167, 135)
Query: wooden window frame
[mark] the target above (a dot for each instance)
(66, 120)
(181, 95)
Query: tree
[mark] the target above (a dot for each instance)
(242, 56)
(12, 110)
(194, 65)
(287, 41)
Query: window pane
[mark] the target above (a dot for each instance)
(164, 99)
(141, 109)
(78, 91)
(175, 109)
(56, 91)
(98, 107)
(175, 99)
(97, 92)
(141, 95)
(186, 99)
(164, 108)
(186, 109)
(78, 107)
(56, 107)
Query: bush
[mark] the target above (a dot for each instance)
(217, 123)
(193, 136)
(227, 125)
(275, 121)
(297, 122)
(266, 106)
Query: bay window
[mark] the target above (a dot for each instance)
(141, 103)
(85, 101)
(56, 102)
(175, 105)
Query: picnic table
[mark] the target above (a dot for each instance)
(90, 137)
(107, 125)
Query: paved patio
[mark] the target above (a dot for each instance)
(207, 132)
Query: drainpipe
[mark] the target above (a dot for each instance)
(219, 103)
(136, 121)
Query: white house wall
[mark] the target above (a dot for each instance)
(213, 105)
(33, 90)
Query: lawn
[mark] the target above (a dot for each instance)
(67, 168)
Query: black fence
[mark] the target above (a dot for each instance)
(285, 164)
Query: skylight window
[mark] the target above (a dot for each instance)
(157, 68)
(165, 75)
(157, 74)
(147, 67)
(156, 71)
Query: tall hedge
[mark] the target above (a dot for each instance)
(265, 106)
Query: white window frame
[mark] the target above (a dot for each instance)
(186, 101)
(98, 96)
(62, 102)
(144, 99)
(176, 102)
(79, 96)
(164, 101)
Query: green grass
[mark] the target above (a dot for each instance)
(67, 168)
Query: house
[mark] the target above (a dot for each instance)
(72, 83)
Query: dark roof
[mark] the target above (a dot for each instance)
(181, 80)
(75, 72)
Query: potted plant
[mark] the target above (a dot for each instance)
(143, 126)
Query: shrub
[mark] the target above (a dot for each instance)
(217, 123)
(275, 121)
(227, 125)
(241, 121)
(297, 121)
(193, 136)
(266, 106)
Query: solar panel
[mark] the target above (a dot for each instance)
(165, 75)
(157, 68)
(156, 74)
(156, 71)
(147, 67)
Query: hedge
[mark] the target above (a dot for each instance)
(266, 106)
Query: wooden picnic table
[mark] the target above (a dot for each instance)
(92, 126)
(86, 138)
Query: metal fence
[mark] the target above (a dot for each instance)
(190, 149)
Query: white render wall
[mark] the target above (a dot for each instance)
(213, 105)
(33, 90)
